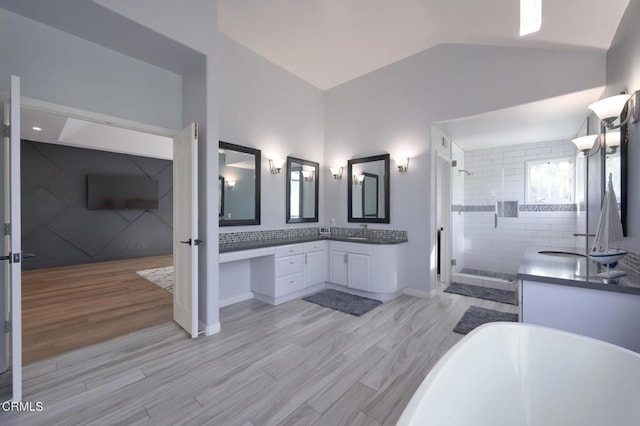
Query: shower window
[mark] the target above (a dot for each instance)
(550, 181)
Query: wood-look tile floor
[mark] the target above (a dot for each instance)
(71, 307)
(293, 364)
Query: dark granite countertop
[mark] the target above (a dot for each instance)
(573, 271)
(249, 245)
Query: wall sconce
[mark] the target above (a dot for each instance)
(336, 172)
(403, 164)
(307, 175)
(276, 165)
(586, 144)
(612, 141)
(231, 184)
(358, 179)
(609, 109)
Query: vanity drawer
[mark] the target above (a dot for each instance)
(315, 246)
(289, 284)
(289, 265)
(289, 250)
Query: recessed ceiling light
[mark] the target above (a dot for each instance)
(37, 129)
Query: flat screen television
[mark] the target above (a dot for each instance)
(117, 192)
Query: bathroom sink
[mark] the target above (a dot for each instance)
(561, 253)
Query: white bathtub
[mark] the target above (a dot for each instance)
(519, 374)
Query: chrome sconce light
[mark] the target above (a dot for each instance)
(358, 179)
(276, 165)
(336, 172)
(588, 145)
(609, 109)
(403, 164)
(231, 184)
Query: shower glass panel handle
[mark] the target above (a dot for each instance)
(495, 220)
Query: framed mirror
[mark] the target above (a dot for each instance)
(615, 163)
(302, 190)
(368, 189)
(238, 184)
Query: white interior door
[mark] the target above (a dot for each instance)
(185, 229)
(11, 248)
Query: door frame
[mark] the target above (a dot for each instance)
(443, 193)
(80, 114)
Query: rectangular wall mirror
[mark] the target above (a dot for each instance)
(302, 190)
(615, 163)
(368, 189)
(239, 185)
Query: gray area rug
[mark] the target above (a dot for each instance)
(475, 316)
(493, 294)
(343, 302)
(162, 277)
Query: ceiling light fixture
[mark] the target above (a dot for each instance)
(37, 129)
(530, 16)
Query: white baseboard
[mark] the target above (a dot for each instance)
(235, 299)
(419, 293)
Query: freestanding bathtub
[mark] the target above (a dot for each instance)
(519, 374)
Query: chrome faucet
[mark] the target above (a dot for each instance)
(365, 230)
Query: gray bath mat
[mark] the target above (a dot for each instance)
(343, 302)
(494, 294)
(475, 316)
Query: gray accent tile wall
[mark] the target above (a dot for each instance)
(58, 228)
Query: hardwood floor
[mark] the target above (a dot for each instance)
(72, 307)
(294, 364)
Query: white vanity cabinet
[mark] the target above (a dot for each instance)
(315, 263)
(371, 268)
(289, 274)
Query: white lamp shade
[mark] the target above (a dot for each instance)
(307, 174)
(585, 143)
(610, 107)
(613, 139)
(335, 170)
(530, 16)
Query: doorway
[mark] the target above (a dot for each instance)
(100, 221)
(443, 221)
(184, 236)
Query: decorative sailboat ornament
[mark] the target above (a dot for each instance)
(609, 233)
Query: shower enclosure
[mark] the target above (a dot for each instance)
(508, 198)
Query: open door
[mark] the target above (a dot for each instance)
(11, 254)
(185, 229)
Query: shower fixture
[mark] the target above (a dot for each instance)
(464, 171)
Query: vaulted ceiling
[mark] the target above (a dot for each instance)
(329, 42)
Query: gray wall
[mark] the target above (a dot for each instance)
(623, 74)
(56, 224)
(392, 110)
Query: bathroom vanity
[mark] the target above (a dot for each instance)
(563, 292)
(277, 271)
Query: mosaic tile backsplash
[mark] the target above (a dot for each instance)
(385, 234)
(300, 233)
(275, 234)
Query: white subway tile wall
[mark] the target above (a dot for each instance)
(499, 174)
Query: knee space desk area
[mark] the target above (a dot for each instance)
(277, 272)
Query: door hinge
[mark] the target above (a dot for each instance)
(7, 326)
(6, 131)
(195, 131)
(16, 258)
(454, 163)
(6, 229)
(453, 262)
